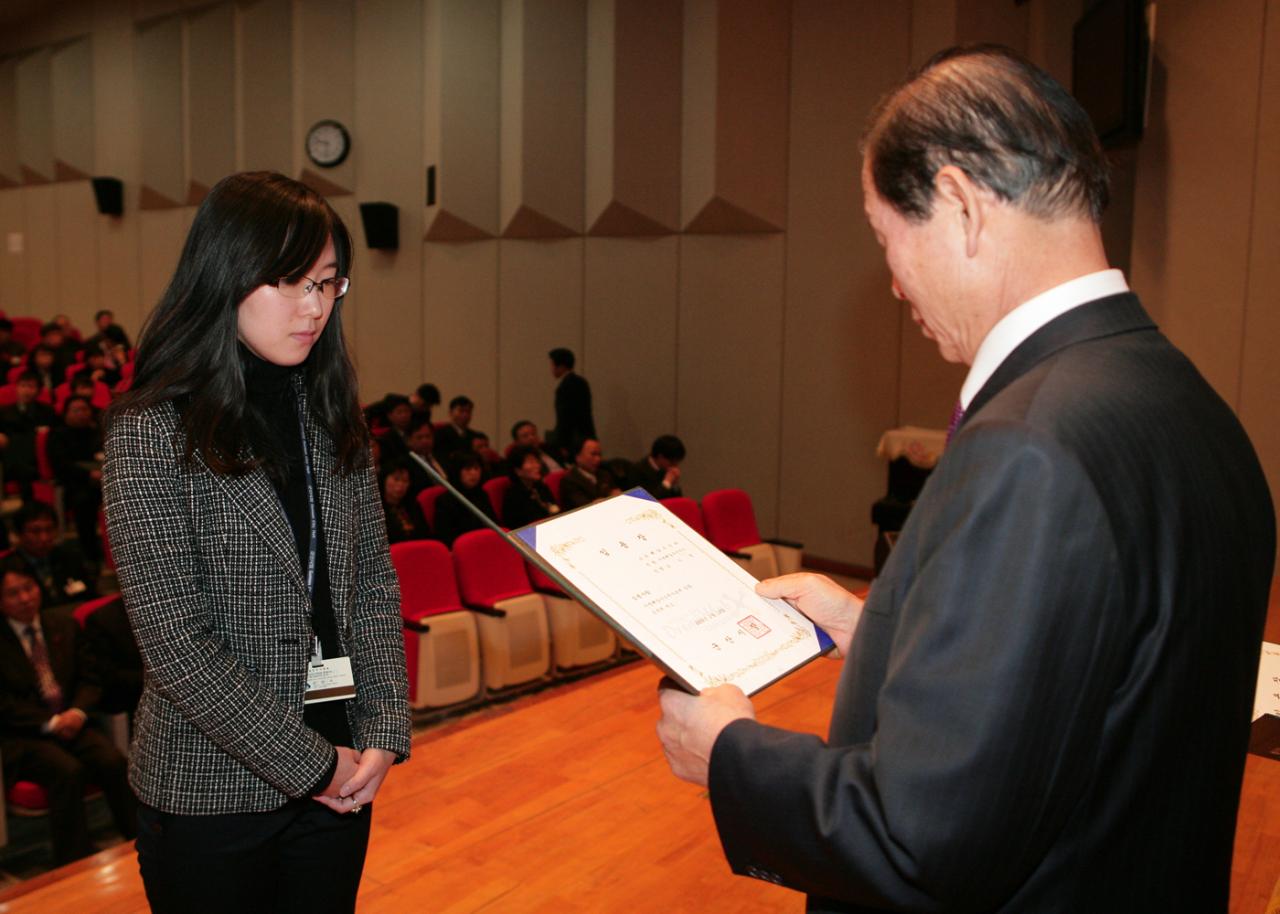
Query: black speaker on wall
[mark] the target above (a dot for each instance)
(381, 225)
(109, 195)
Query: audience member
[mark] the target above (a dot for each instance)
(59, 567)
(11, 351)
(64, 345)
(109, 335)
(573, 404)
(19, 423)
(46, 690)
(75, 451)
(659, 473)
(405, 520)
(526, 433)
(44, 363)
(587, 480)
(528, 499)
(493, 464)
(398, 414)
(454, 519)
(456, 437)
(422, 455)
(116, 662)
(424, 399)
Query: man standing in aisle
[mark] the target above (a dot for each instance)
(573, 406)
(1047, 698)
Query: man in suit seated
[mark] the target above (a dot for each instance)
(1048, 695)
(395, 410)
(587, 480)
(659, 473)
(60, 568)
(457, 436)
(421, 455)
(525, 434)
(46, 690)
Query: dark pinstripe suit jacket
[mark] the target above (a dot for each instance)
(216, 596)
(1047, 701)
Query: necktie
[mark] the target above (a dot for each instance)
(50, 691)
(956, 415)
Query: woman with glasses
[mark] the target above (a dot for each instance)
(252, 555)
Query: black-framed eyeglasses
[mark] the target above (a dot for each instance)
(332, 288)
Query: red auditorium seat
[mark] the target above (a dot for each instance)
(512, 618)
(688, 511)
(441, 641)
(427, 502)
(578, 636)
(731, 525)
(552, 480)
(496, 489)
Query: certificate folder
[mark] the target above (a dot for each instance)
(682, 602)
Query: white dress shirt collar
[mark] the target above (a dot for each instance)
(1016, 326)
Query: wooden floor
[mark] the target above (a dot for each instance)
(563, 802)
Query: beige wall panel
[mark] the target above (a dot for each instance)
(266, 86)
(629, 340)
(153, 9)
(71, 87)
(10, 173)
(1260, 369)
(749, 43)
(1195, 181)
(115, 141)
(76, 252)
(161, 234)
(730, 365)
(544, 93)
(159, 92)
(633, 116)
(1049, 31)
(933, 27)
(460, 127)
(326, 81)
(35, 120)
(40, 210)
(210, 108)
(539, 308)
(387, 147)
(119, 269)
(997, 21)
(52, 23)
(13, 263)
(460, 329)
(841, 342)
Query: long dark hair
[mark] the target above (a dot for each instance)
(253, 229)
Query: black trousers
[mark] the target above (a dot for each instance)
(300, 857)
(63, 768)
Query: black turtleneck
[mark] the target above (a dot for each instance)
(272, 394)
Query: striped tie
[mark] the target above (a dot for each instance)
(956, 415)
(50, 691)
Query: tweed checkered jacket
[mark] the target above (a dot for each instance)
(216, 596)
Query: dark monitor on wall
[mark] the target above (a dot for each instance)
(1111, 51)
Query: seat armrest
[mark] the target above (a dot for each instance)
(791, 544)
(416, 625)
(487, 610)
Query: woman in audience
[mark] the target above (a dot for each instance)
(252, 557)
(405, 520)
(454, 519)
(528, 499)
(44, 362)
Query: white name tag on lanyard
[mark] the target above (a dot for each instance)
(329, 680)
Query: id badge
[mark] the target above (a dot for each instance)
(329, 680)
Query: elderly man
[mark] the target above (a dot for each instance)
(1047, 698)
